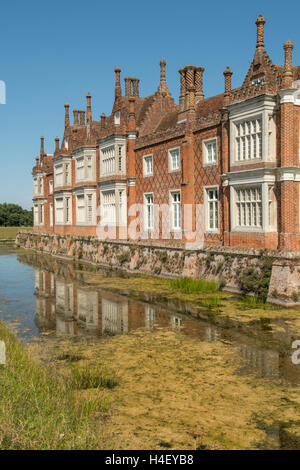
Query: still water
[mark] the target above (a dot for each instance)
(45, 297)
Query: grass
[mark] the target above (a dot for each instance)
(92, 377)
(190, 286)
(10, 233)
(40, 409)
(177, 392)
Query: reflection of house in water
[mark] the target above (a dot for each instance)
(114, 316)
(44, 291)
(68, 307)
(87, 309)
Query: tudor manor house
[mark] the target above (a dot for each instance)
(235, 155)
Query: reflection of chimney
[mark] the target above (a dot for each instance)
(67, 119)
(260, 31)
(82, 117)
(75, 112)
(118, 91)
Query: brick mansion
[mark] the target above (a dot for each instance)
(154, 166)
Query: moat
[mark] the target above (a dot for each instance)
(49, 304)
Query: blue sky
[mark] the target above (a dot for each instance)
(55, 52)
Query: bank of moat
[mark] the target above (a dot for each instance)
(272, 275)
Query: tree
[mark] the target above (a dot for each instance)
(13, 215)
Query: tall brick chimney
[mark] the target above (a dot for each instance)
(81, 117)
(103, 120)
(67, 118)
(42, 152)
(131, 86)
(118, 91)
(199, 83)
(75, 112)
(227, 74)
(56, 144)
(88, 109)
(288, 74)
(182, 88)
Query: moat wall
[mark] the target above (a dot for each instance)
(272, 275)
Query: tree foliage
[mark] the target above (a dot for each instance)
(13, 215)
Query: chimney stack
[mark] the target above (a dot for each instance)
(190, 77)
(75, 112)
(199, 83)
(260, 31)
(131, 86)
(67, 119)
(118, 91)
(103, 118)
(37, 162)
(227, 74)
(82, 118)
(42, 147)
(56, 144)
(88, 109)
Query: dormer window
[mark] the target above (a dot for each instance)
(258, 80)
(117, 118)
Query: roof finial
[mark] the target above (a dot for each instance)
(260, 31)
(163, 84)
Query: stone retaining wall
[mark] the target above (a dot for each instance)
(270, 274)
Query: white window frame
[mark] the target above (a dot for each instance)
(205, 149)
(170, 159)
(207, 204)
(248, 207)
(147, 158)
(177, 227)
(117, 118)
(87, 207)
(51, 184)
(148, 206)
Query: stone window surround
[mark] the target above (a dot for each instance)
(86, 192)
(146, 175)
(85, 152)
(205, 161)
(171, 192)
(206, 209)
(64, 195)
(170, 169)
(62, 160)
(116, 141)
(146, 212)
(254, 108)
(38, 203)
(249, 178)
(38, 175)
(117, 186)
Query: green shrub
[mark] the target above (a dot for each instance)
(190, 286)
